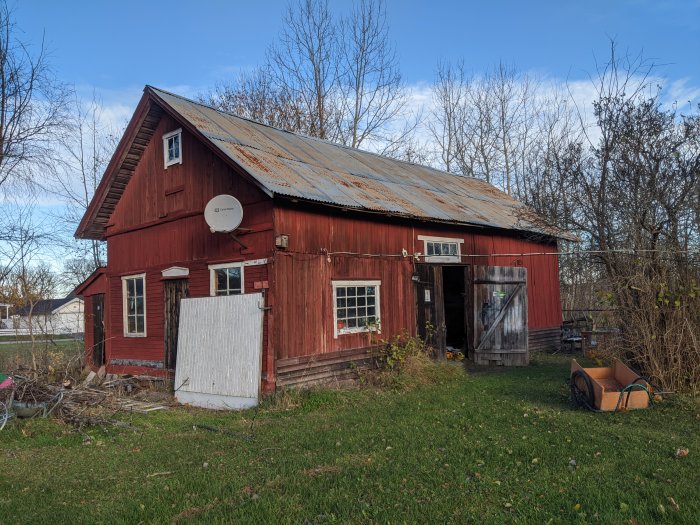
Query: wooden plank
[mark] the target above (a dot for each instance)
(440, 337)
(499, 317)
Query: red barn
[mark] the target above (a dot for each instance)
(340, 244)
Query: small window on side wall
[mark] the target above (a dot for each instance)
(355, 306)
(172, 148)
(226, 279)
(134, 297)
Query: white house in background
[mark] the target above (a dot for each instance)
(5, 319)
(52, 316)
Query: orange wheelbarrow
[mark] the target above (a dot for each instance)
(609, 389)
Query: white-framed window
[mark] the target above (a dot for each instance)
(441, 249)
(134, 302)
(226, 279)
(355, 306)
(172, 148)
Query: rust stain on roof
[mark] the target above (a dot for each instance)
(252, 158)
(295, 166)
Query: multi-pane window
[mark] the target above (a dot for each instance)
(172, 147)
(226, 279)
(356, 306)
(134, 294)
(441, 249)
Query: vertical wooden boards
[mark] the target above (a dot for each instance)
(220, 351)
(430, 305)
(174, 291)
(500, 315)
(469, 308)
(98, 329)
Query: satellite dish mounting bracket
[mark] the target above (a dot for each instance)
(235, 238)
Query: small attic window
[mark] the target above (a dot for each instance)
(172, 147)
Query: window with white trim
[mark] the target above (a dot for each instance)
(355, 306)
(226, 279)
(172, 148)
(441, 249)
(134, 301)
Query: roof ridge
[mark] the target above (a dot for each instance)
(317, 139)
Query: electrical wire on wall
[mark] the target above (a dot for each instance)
(576, 253)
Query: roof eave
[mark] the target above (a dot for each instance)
(548, 235)
(84, 231)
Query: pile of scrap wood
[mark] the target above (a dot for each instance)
(94, 402)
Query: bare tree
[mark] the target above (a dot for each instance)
(633, 194)
(86, 146)
(304, 63)
(32, 106)
(335, 79)
(372, 94)
(253, 95)
(448, 115)
(21, 238)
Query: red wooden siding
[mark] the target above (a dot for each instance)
(155, 194)
(159, 223)
(303, 273)
(151, 347)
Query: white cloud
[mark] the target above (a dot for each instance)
(680, 92)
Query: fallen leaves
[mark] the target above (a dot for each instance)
(681, 452)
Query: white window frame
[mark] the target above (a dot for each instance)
(125, 315)
(441, 258)
(178, 160)
(212, 275)
(377, 312)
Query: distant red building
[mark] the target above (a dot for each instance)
(340, 242)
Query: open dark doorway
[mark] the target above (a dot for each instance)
(454, 289)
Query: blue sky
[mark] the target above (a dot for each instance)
(117, 47)
(113, 48)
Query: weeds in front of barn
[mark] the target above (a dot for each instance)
(479, 448)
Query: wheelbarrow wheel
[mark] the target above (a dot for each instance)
(4, 415)
(582, 390)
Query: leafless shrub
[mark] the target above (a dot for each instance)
(658, 313)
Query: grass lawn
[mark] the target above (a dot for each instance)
(482, 448)
(13, 353)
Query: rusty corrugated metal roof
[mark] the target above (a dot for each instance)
(295, 166)
(307, 168)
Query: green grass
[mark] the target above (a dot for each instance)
(482, 448)
(39, 336)
(53, 353)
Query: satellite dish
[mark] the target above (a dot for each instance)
(223, 213)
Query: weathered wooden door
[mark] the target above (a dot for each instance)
(175, 290)
(500, 315)
(430, 306)
(98, 329)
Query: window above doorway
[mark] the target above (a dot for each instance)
(172, 148)
(442, 249)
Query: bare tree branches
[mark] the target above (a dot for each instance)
(86, 147)
(304, 64)
(32, 107)
(372, 93)
(335, 79)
